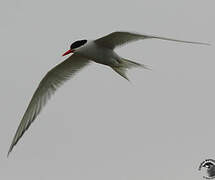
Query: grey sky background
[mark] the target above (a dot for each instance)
(98, 126)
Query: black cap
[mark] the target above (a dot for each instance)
(77, 44)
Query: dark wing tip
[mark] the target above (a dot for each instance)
(10, 150)
(16, 139)
(11, 147)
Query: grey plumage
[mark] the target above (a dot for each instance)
(49, 84)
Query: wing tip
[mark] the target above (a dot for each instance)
(10, 150)
(201, 43)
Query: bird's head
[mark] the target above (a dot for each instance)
(74, 46)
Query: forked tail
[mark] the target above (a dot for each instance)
(126, 64)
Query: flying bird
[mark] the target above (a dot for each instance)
(83, 52)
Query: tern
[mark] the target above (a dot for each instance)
(83, 52)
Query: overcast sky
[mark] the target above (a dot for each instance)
(98, 126)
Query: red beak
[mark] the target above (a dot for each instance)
(68, 52)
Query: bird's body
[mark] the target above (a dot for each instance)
(100, 51)
(98, 54)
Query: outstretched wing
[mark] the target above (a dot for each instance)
(49, 84)
(115, 39)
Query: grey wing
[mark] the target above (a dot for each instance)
(49, 84)
(119, 38)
